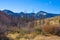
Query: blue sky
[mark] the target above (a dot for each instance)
(51, 6)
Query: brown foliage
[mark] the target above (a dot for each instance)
(56, 31)
(51, 29)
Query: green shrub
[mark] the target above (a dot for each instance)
(38, 30)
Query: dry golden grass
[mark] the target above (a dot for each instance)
(12, 36)
(38, 37)
(41, 37)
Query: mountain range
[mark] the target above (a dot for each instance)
(9, 18)
(36, 15)
(12, 18)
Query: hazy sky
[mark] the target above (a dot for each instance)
(52, 6)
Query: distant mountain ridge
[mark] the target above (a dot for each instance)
(36, 15)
